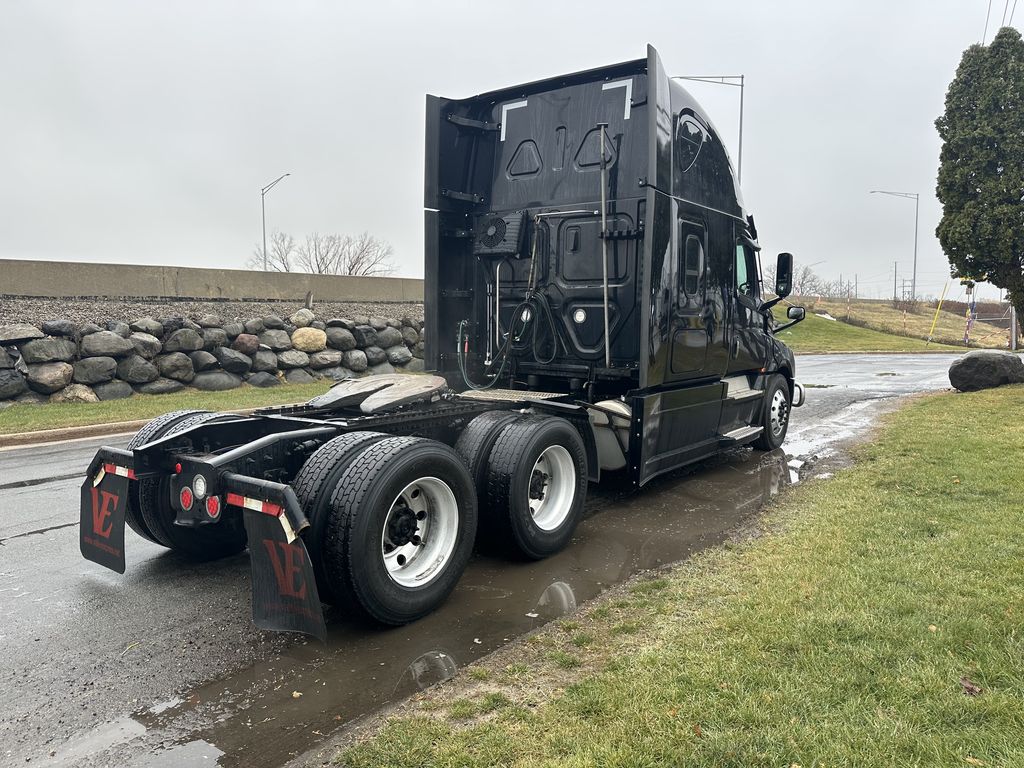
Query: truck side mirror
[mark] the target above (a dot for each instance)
(795, 313)
(784, 275)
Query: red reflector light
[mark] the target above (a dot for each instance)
(235, 500)
(185, 497)
(114, 469)
(177, 469)
(213, 507)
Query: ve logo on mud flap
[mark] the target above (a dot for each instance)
(287, 560)
(103, 505)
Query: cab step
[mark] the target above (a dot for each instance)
(738, 388)
(740, 436)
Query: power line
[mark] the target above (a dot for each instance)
(1012, 10)
(987, 13)
(1006, 7)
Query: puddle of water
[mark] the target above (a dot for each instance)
(252, 718)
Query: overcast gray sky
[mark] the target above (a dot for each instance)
(142, 132)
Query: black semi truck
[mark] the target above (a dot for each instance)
(593, 307)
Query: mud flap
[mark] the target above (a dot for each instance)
(284, 594)
(101, 526)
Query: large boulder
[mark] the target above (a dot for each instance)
(121, 329)
(375, 355)
(31, 398)
(273, 321)
(255, 327)
(338, 373)
(302, 318)
(171, 324)
(234, 329)
(292, 358)
(263, 379)
(415, 366)
(328, 358)
(365, 336)
(50, 377)
(11, 334)
(12, 383)
(378, 323)
(213, 338)
(159, 386)
(216, 381)
(90, 328)
(309, 339)
(48, 350)
(202, 360)
(277, 339)
(341, 322)
(75, 393)
(389, 337)
(106, 344)
(985, 368)
(146, 345)
(233, 361)
(355, 360)
(94, 370)
(381, 369)
(246, 343)
(113, 390)
(176, 365)
(298, 376)
(183, 340)
(136, 369)
(410, 336)
(148, 325)
(264, 360)
(210, 321)
(340, 338)
(6, 361)
(399, 354)
(60, 328)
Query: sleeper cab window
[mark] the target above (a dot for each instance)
(689, 140)
(746, 270)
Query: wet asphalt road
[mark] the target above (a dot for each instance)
(162, 666)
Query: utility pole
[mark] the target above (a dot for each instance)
(1013, 328)
(917, 207)
(856, 289)
(894, 264)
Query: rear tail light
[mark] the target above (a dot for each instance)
(213, 507)
(186, 498)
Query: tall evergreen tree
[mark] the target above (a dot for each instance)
(981, 169)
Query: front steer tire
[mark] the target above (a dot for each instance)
(775, 413)
(371, 507)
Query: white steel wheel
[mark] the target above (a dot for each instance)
(778, 414)
(552, 488)
(420, 532)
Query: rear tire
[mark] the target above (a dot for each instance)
(205, 542)
(536, 485)
(314, 486)
(474, 446)
(401, 529)
(150, 432)
(774, 414)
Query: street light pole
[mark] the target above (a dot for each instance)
(725, 80)
(917, 209)
(263, 207)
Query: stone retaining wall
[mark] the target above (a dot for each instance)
(62, 361)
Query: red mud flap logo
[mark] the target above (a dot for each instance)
(284, 596)
(101, 525)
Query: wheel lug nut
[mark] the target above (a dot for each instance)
(421, 515)
(401, 559)
(417, 540)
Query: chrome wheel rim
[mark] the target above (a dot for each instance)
(779, 412)
(552, 488)
(420, 532)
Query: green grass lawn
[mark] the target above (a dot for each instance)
(879, 621)
(818, 335)
(27, 418)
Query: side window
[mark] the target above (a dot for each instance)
(746, 270)
(690, 268)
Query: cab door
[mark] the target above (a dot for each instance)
(748, 345)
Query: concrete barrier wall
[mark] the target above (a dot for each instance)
(63, 279)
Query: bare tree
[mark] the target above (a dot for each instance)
(321, 254)
(806, 282)
(281, 254)
(366, 256)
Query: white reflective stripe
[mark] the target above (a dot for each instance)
(255, 504)
(120, 471)
(289, 532)
(99, 476)
(628, 85)
(504, 114)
